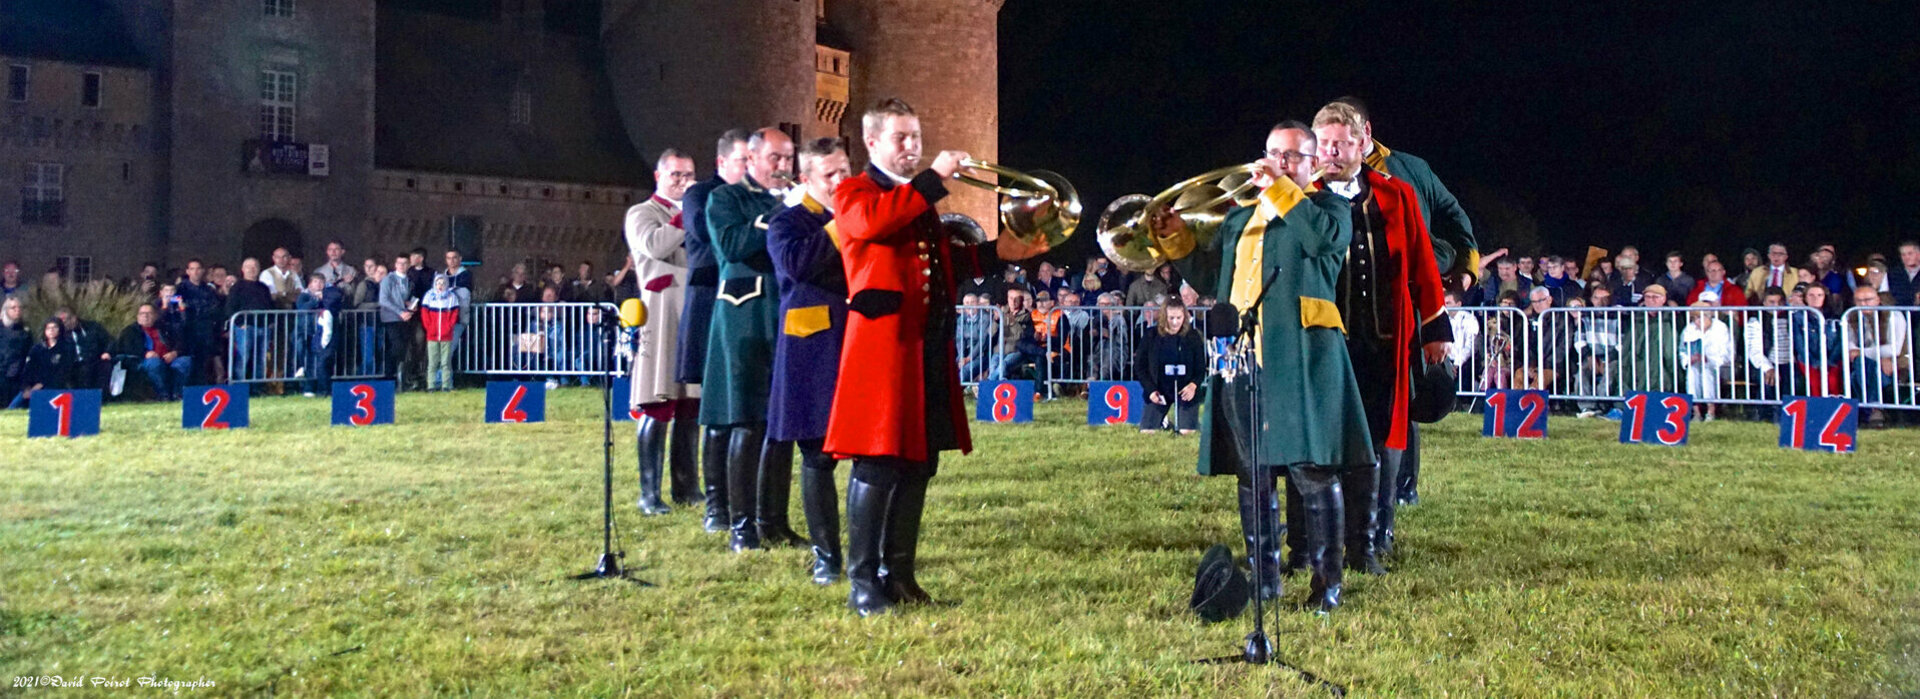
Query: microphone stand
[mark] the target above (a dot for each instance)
(608, 566)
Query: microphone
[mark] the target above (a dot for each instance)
(1223, 320)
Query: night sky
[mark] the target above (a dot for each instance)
(1704, 127)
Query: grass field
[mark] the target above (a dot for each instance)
(429, 557)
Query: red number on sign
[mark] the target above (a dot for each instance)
(1636, 430)
(63, 403)
(1797, 409)
(1499, 403)
(1830, 436)
(364, 412)
(513, 413)
(1536, 410)
(1676, 429)
(1003, 407)
(216, 399)
(1117, 400)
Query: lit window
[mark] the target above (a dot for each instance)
(17, 82)
(278, 90)
(43, 195)
(520, 107)
(90, 90)
(277, 8)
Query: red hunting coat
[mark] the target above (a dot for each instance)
(895, 252)
(1413, 271)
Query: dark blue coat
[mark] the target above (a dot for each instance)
(703, 279)
(813, 321)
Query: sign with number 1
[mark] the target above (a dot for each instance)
(1656, 418)
(1004, 401)
(1114, 403)
(214, 407)
(63, 413)
(1820, 424)
(1515, 414)
(362, 403)
(521, 401)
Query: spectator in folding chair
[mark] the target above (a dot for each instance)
(975, 332)
(1020, 350)
(1877, 347)
(1706, 347)
(1651, 340)
(1112, 336)
(150, 348)
(1816, 342)
(49, 363)
(1769, 346)
(92, 363)
(1597, 350)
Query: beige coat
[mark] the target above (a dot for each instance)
(660, 269)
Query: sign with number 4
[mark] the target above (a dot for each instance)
(1656, 418)
(1820, 424)
(1515, 414)
(214, 407)
(363, 403)
(1114, 403)
(1004, 401)
(521, 401)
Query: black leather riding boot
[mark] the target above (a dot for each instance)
(1409, 485)
(1263, 548)
(1360, 486)
(651, 444)
(1386, 502)
(820, 500)
(683, 453)
(744, 444)
(775, 492)
(901, 544)
(1320, 500)
(713, 470)
(866, 522)
(1297, 558)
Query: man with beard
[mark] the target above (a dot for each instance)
(1390, 294)
(703, 282)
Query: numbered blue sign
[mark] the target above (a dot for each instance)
(1114, 403)
(1656, 418)
(521, 401)
(1515, 414)
(63, 413)
(1004, 401)
(214, 407)
(623, 410)
(362, 403)
(1820, 424)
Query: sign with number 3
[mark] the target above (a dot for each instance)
(362, 403)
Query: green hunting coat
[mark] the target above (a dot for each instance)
(1455, 250)
(1310, 410)
(745, 325)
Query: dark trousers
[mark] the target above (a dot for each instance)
(399, 342)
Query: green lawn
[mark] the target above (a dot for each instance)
(429, 557)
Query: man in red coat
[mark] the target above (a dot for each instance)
(1389, 294)
(898, 403)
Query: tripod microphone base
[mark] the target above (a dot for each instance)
(609, 567)
(1258, 649)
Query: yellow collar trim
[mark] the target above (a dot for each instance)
(808, 201)
(1378, 158)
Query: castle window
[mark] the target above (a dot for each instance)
(278, 90)
(520, 104)
(18, 77)
(75, 268)
(43, 197)
(90, 90)
(277, 8)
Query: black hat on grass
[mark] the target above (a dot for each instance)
(1220, 590)
(1434, 387)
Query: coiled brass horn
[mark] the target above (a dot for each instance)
(1040, 209)
(1126, 232)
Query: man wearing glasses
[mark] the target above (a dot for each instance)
(1390, 294)
(1312, 421)
(656, 233)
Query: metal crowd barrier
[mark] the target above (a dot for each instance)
(1878, 364)
(977, 335)
(280, 345)
(1727, 355)
(1484, 351)
(538, 340)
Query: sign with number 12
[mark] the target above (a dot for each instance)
(1004, 401)
(1515, 414)
(362, 403)
(1656, 418)
(1114, 403)
(63, 413)
(214, 407)
(1819, 424)
(521, 401)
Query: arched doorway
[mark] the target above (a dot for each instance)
(263, 236)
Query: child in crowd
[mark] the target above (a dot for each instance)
(439, 311)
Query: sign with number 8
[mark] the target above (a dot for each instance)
(1004, 401)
